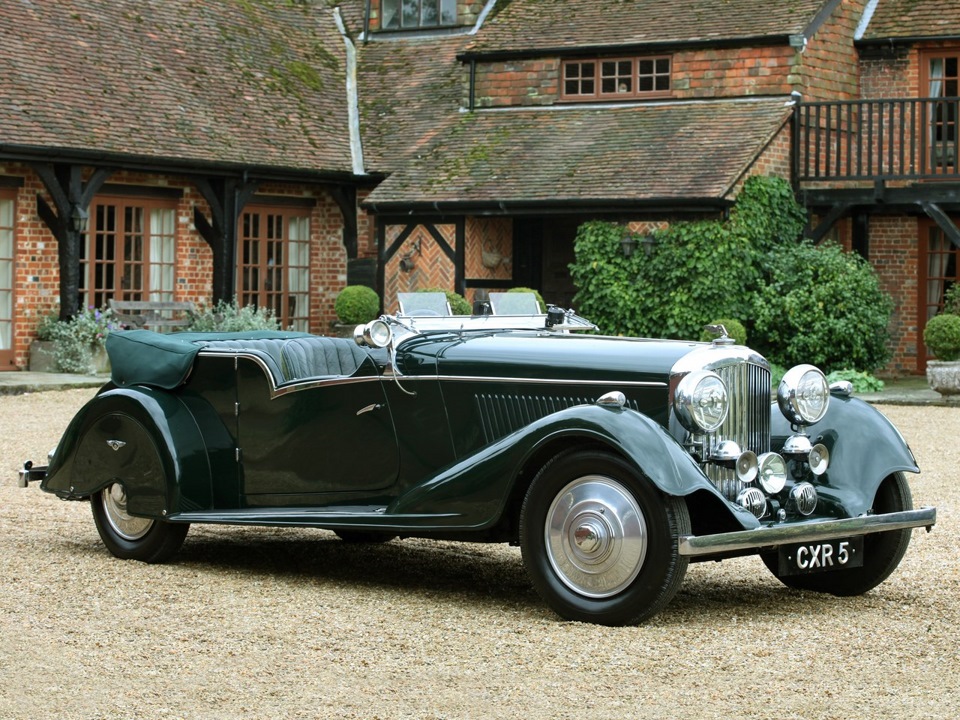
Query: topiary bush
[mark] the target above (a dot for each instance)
(356, 305)
(823, 306)
(735, 330)
(458, 303)
(942, 336)
(226, 316)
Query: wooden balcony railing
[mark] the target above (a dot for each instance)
(899, 139)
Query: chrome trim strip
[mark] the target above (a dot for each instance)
(540, 381)
(696, 545)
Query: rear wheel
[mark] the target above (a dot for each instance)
(130, 537)
(599, 541)
(882, 552)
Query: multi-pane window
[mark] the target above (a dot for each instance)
(615, 78)
(128, 252)
(942, 81)
(274, 263)
(6, 271)
(407, 14)
(939, 271)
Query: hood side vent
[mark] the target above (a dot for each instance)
(501, 415)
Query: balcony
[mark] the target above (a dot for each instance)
(892, 152)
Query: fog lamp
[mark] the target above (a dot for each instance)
(772, 473)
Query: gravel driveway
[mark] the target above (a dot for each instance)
(286, 624)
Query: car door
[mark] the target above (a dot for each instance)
(323, 441)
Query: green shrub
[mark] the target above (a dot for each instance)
(458, 303)
(951, 300)
(356, 305)
(230, 317)
(735, 330)
(823, 306)
(942, 336)
(543, 305)
(863, 382)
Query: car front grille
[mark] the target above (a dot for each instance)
(748, 420)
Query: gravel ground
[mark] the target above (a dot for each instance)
(286, 624)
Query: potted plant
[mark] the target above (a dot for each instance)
(76, 345)
(942, 336)
(355, 305)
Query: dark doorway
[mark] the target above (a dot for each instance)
(542, 253)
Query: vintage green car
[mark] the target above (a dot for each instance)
(612, 462)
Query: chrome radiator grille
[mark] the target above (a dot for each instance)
(748, 420)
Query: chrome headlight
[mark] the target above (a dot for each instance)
(803, 395)
(374, 334)
(701, 401)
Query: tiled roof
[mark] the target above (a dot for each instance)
(409, 90)
(914, 19)
(542, 24)
(693, 151)
(254, 82)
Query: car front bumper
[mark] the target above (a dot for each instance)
(809, 531)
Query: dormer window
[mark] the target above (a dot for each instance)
(413, 14)
(615, 78)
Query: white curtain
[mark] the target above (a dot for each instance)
(937, 111)
(162, 255)
(937, 259)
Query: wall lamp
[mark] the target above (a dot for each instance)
(629, 243)
(79, 219)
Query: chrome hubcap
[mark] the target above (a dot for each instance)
(127, 526)
(596, 536)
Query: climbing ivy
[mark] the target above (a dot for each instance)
(798, 302)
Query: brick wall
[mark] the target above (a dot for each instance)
(893, 254)
(432, 268)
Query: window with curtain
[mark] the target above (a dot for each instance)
(939, 271)
(274, 263)
(943, 82)
(7, 219)
(129, 251)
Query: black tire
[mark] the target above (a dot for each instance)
(364, 537)
(599, 541)
(882, 552)
(134, 538)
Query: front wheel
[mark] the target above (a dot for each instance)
(882, 552)
(130, 537)
(599, 541)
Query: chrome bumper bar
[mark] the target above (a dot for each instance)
(29, 473)
(693, 545)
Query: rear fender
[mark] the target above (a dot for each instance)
(144, 439)
(865, 448)
(474, 491)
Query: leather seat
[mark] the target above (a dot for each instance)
(320, 356)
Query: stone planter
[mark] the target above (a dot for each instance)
(343, 331)
(944, 377)
(41, 357)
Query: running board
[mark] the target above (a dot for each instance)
(346, 516)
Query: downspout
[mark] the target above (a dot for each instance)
(483, 16)
(353, 107)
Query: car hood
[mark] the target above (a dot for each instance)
(543, 355)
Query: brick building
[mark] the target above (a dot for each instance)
(277, 151)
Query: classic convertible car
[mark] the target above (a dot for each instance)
(612, 462)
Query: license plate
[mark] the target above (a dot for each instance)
(804, 558)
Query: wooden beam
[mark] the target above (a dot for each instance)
(826, 222)
(346, 199)
(943, 221)
(226, 198)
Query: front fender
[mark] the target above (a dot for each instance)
(475, 490)
(864, 446)
(146, 440)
